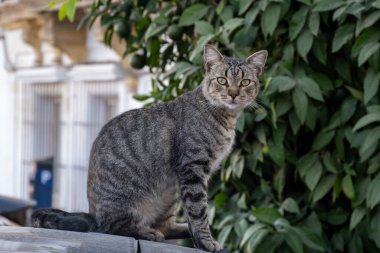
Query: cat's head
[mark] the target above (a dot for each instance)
(232, 82)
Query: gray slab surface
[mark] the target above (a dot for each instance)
(25, 239)
(155, 247)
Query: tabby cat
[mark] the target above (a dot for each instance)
(144, 160)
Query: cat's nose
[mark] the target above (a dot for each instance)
(233, 92)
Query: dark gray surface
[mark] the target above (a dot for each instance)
(25, 239)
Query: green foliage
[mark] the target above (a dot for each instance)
(304, 175)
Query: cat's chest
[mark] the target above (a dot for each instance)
(222, 148)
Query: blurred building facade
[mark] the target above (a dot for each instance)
(58, 87)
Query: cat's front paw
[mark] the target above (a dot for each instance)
(151, 235)
(209, 245)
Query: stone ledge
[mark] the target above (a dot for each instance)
(26, 239)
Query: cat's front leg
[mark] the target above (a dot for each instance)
(193, 187)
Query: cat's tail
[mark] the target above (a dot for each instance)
(58, 219)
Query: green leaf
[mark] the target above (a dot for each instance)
(269, 19)
(313, 222)
(366, 120)
(307, 2)
(304, 43)
(338, 241)
(348, 187)
(223, 235)
(244, 5)
(374, 164)
(231, 25)
(324, 186)
(154, 30)
(311, 88)
(239, 167)
(266, 215)
(367, 51)
(228, 219)
(270, 244)
(342, 35)
(328, 5)
(376, 4)
(313, 174)
(71, 8)
(347, 110)
(322, 139)
(220, 199)
(294, 122)
(300, 102)
(293, 240)
(54, 3)
(297, 22)
(320, 49)
(355, 93)
(339, 12)
(367, 21)
(251, 16)
(305, 162)
(371, 84)
(62, 11)
(330, 163)
(309, 238)
(240, 124)
(227, 13)
(204, 27)
(355, 245)
(279, 181)
(276, 153)
(375, 229)
(141, 97)
(314, 21)
(356, 216)
(199, 49)
(337, 216)
(371, 140)
(256, 239)
(192, 14)
(241, 227)
(343, 69)
(283, 83)
(221, 6)
(369, 36)
(242, 203)
(250, 231)
(312, 116)
(290, 205)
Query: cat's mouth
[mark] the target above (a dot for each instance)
(233, 105)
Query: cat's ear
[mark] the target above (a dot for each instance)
(258, 60)
(211, 57)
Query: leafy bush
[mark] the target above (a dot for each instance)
(304, 173)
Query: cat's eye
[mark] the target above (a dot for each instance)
(222, 80)
(245, 82)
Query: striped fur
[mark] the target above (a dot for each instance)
(145, 160)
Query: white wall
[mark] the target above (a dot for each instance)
(7, 128)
